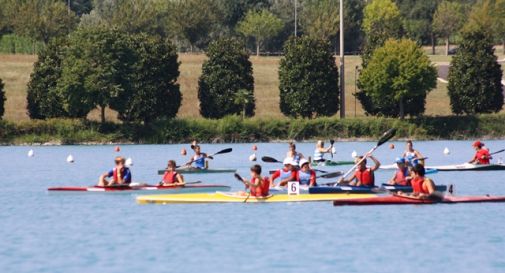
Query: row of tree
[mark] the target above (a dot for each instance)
(192, 24)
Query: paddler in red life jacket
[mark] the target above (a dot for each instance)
(363, 176)
(306, 176)
(402, 174)
(199, 158)
(286, 174)
(258, 186)
(171, 177)
(293, 154)
(120, 174)
(422, 187)
(482, 156)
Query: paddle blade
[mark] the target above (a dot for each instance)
(386, 136)
(270, 159)
(193, 182)
(332, 142)
(225, 151)
(238, 177)
(332, 175)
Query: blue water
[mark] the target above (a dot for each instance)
(41, 232)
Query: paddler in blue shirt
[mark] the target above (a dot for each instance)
(199, 158)
(120, 174)
(320, 151)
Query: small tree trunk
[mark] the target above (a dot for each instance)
(503, 45)
(102, 114)
(402, 110)
(257, 48)
(432, 44)
(447, 46)
(243, 111)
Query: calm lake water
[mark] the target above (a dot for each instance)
(41, 232)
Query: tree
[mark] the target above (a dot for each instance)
(308, 78)
(320, 18)
(419, 20)
(2, 99)
(156, 93)
(475, 75)
(43, 19)
(244, 97)
(261, 25)
(96, 71)
(382, 21)
(43, 100)
(396, 80)
(448, 19)
(226, 71)
(499, 21)
(232, 12)
(81, 7)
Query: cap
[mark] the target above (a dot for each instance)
(400, 160)
(287, 161)
(477, 144)
(303, 161)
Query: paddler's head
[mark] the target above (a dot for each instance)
(292, 147)
(400, 162)
(255, 170)
(197, 149)
(171, 165)
(304, 165)
(418, 170)
(320, 144)
(362, 165)
(288, 163)
(477, 145)
(410, 146)
(119, 161)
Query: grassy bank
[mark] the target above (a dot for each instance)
(233, 129)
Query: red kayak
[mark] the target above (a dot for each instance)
(144, 189)
(405, 200)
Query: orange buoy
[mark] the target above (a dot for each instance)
(254, 147)
(117, 149)
(183, 151)
(391, 146)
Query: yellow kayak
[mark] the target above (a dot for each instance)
(227, 197)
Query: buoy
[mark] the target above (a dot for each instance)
(30, 153)
(354, 154)
(128, 162)
(254, 147)
(391, 146)
(252, 157)
(446, 151)
(117, 148)
(183, 151)
(70, 159)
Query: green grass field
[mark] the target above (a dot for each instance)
(15, 72)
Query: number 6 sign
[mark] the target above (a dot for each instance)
(293, 188)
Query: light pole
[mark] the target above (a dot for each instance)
(296, 18)
(356, 71)
(342, 72)
(68, 6)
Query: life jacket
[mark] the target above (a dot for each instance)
(318, 156)
(304, 177)
(483, 153)
(366, 177)
(261, 190)
(116, 175)
(285, 174)
(170, 177)
(417, 185)
(401, 177)
(199, 161)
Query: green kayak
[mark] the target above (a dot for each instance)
(200, 171)
(332, 163)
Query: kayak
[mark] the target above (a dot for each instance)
(142, 189)
(429, 170)
(402, 200)
(354, 189)
(221, 197)
(199, 171)
(470, 167)
(332, 163)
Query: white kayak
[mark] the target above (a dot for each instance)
(470, 167)
(429, 170)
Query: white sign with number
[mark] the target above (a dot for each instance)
(293, 188)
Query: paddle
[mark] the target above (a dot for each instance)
(384, 138)
(225, 151)
(497, 152)
(331, 147)
(239, 178)
(331, 175)
(269, 159)
(185, 183)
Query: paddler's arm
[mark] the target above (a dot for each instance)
(207, 156)
(392, 180)
(180, 180)
(377, 163)
(312, 179)
(273, 177)
(291, 178)
(346, 181)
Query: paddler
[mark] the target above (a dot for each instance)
(412, 156)
(258, 186)
(171, 177)
(120, 174)
(293, 154)
(306, 176)
(482, 156)
(363, 176)
(401, 176)
(320, 151)
(199, 158)
(286, 174)
(422, 187)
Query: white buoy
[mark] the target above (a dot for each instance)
(70, 159)
(31, 153)
(252, 157)
(128, 162)
(446, 151)
(354, 154)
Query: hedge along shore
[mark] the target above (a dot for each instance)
(234, 129)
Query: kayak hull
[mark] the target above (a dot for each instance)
(219, 197)
(141, 189)
(200, 171)
(399, 200)
(354, 189)
(393, 167)
(332, 163)
(470, 167)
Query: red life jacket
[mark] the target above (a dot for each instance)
(418, 185)
(366, 177)
(170, 177)
(401, 177)
(116, 175)
(483, 156)
(261, 190)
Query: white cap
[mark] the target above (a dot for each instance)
(287, 161)
(303, 161)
